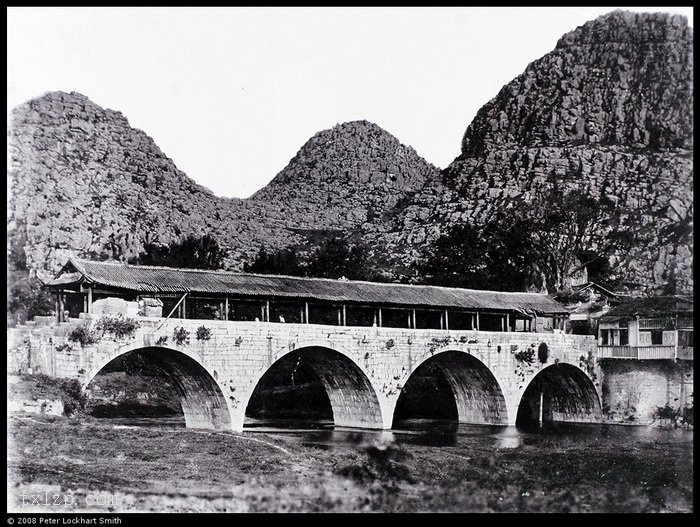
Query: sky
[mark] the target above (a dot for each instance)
(232, 94)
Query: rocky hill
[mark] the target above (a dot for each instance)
(84, 182)
(608, 111)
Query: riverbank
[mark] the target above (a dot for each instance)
(107, 467)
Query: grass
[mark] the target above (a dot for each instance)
(177, 469)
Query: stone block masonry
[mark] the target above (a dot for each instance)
(633, 391)
(363, 369)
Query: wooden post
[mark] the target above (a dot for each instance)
(414, 319)
(507, 321)
(447, 320)
(267, 311)
(58, 307)
(477, 320)
(682, 405)
(541, 401)
(675, 355)
(306, 312)
(503, 324)
(85, 304)
(345, 316)
(379, 310)
(226, 308)
(184, 307)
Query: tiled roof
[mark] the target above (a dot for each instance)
(153, 280)
(650, 307)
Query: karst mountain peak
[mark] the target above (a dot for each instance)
(607, 112)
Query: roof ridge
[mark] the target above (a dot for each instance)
(305, 278)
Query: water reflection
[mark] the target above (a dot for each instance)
(438, 433)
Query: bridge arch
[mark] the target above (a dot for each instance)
(203, 402)
(477, 395)
(561, 393)
(352, 397)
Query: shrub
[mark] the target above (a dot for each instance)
(74, 400)
(119, 325)
(687, 416)
(85, 335)
(203, 333)
(666, 412)
(181, 335)
(527, 355)
(543, 352)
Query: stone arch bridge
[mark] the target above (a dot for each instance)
(494, 376)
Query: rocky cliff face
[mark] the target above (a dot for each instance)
(84, 182)
(608, 111)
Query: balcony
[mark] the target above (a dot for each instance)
(639, 352)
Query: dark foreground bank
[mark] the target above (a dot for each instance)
(81, 464)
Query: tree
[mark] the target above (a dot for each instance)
(336, 258)
(566, 227)
(192, 252)
(284, 262)
(456, 259)
(26, 298)
(537, 244)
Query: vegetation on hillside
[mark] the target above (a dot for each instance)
(25, 296)
(333, 257)
(537, 245)
(191, 252)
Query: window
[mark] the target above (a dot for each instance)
(657, 337)
(396, 318)
(460, 320)
(428, 319)
(361, 316)
(604, 337)
(489, 322)
(624, 337)
(289, 312)
(329, 315)
(203, 309)
(241, 310)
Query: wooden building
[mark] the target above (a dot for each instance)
(659, 327)
(223, 295)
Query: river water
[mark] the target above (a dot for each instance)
(438, 433)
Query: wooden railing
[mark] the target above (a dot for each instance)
(667, 322)
(637, 352)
